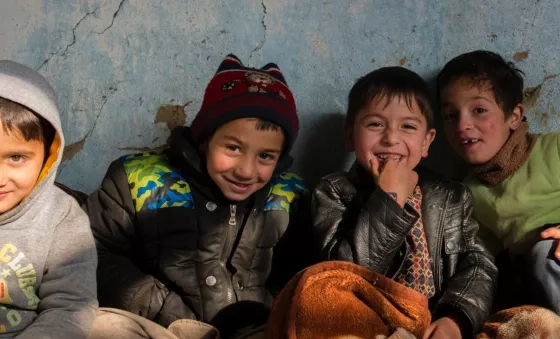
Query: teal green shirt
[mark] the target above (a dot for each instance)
(527, 200)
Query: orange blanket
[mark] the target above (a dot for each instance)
(339, 299)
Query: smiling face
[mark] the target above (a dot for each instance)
(21, 162)
(393, 128)
(241, 157)
(475, 124)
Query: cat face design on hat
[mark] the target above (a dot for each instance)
(256, 82)
(259, 79)
(259, 82)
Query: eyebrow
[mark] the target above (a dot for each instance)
(373, 115)
(271, 150)
(232, 138)
(376, 115)
(476, 97)
(417, 119)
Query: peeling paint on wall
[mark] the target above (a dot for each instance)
(520, 56)
(542, 118)
(493, 37)
(172, 115)
(71, 150)
(548, 77)
(531, 95)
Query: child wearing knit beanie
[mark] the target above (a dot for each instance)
(190, 233)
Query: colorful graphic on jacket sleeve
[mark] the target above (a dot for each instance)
(285, 190)
(154, 183)
(17, 276)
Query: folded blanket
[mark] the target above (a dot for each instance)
(525, 322)
(342, 300)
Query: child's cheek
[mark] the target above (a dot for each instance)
(222, 163)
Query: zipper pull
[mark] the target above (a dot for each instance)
(232, 210)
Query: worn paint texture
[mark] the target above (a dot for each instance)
(127, 71)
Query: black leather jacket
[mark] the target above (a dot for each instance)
(354, 220)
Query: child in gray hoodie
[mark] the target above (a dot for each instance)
(47, 254)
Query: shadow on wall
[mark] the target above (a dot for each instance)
(323, 148)
(441, 157)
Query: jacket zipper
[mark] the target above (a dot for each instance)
(437, 257)
(230, 239)
(232, 210)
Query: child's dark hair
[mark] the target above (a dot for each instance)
(390, 83)
(485, 68)
(265, 125)
(17, 118)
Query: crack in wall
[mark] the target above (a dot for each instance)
(261, 44)
(74, 148)
(74, 38)
(113, 19)
(68, 45)
(527, 25)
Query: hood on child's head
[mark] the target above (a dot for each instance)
(26, 87)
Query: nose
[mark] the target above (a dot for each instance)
(464, 122)
(391, 137)
(245, 169)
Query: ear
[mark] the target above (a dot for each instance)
(349, 137)
(428, 139)
(516, 117)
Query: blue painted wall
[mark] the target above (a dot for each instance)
(127, 71)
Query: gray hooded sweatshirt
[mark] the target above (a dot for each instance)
(47, 254)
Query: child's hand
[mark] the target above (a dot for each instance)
(553, 233)
(393, 177)
(443, 328)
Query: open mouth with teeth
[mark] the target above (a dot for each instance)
(239, 187)
(383, 157)
(469, 141)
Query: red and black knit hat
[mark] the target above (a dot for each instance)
(237, 92)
